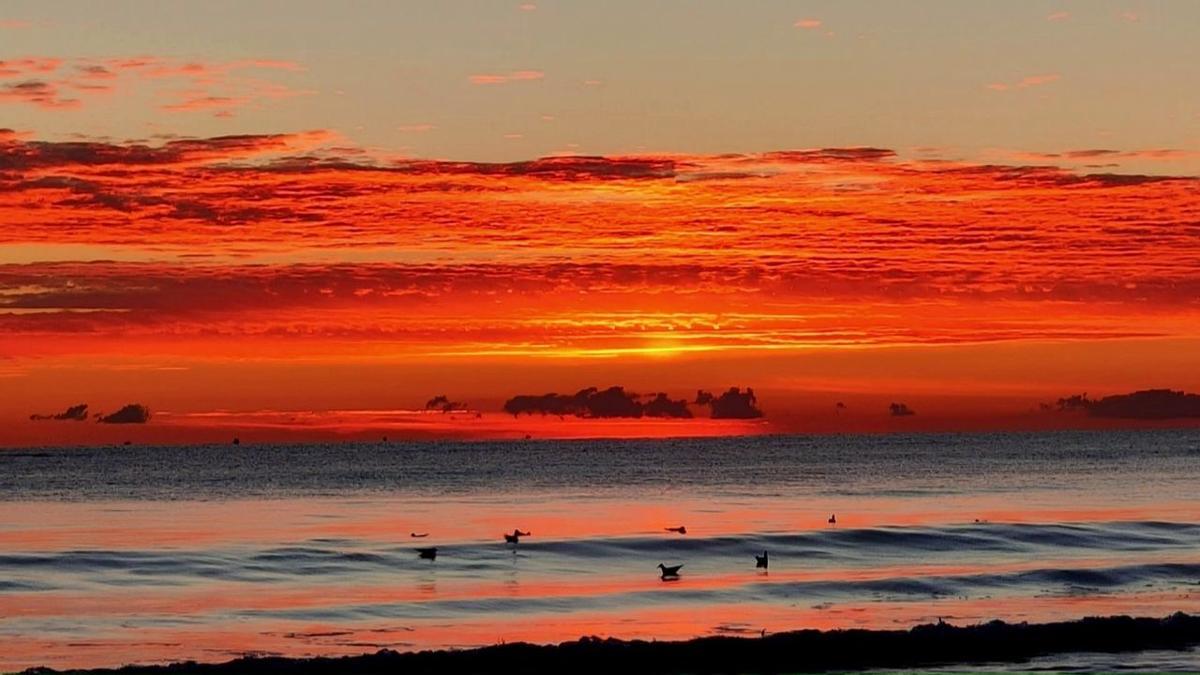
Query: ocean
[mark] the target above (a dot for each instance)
(133, 554)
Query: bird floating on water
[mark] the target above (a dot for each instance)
(515, 537)
(427, 553)
(761, 560)
(681, 529)
(833, 519)
(418, 534)
(669, 573)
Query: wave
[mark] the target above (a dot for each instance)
(606, 573)
(1047, 581)
(828, 546)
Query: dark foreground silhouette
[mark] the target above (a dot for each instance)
(799, 651)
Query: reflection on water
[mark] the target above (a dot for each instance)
(155, 554)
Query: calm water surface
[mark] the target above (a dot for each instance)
(132, 554)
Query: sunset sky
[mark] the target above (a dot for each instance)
(290, 220)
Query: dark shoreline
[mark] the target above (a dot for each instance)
(927, 645)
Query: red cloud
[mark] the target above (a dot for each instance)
(259, 233)
(429, 258)
(29, 156)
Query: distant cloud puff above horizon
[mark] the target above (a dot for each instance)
(76, 413)
(1147, 404)
(134, 413)
(596, 403)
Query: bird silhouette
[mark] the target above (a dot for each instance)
(418, 534)
(761, 560)
(515, 537)
(427, 553)
(669, 573)
(833, 519)
(681, 529)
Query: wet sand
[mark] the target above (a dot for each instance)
(928, 645)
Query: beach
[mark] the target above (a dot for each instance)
(210, 553)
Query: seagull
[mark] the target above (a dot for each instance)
(669, 573)
(681, 529)
(427, 553)
(418, 535)
(515, 537)
(832, 519)
(761, 560)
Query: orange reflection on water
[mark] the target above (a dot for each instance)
(386, 520)
(249, 596)
(669, 622)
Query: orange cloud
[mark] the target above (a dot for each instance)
(290, 249)
(1037, 80)
(94, 72)
(808, 23)
(515, 76)
(14, 23)
(1073, 156)
(1025, 82)
(216, 85)
(36, 92)
(205, 102)
(290, 205)
(1058, 16)
(26, 66)
(527, 75)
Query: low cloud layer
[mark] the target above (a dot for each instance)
(76, 413)
(442, 403)
(1147, 404)
(613, 402)
(734, 404)
(134, 413)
